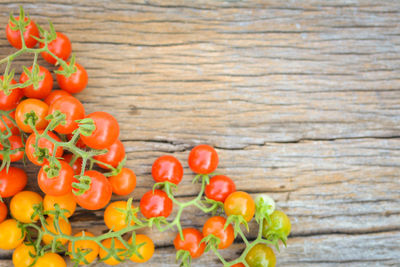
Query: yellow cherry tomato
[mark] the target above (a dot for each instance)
(21, 256)
(22, 206)
(65, 228)
(115, 219)
(11, 235)
(107, 243)
(240, 203)
(84, 246)
(146, 250)
(66, 202)
(50, 259)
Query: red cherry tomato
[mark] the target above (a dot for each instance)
(15, 143)
(10, 101)
(14, 37)
(60, 47)
(42, 143)
(99, 193)
(12, 182)
(74, 83)
(216, 226)
(76, 166)
(238, 265)
(191, 242)
(59, 185)
(14, 129)
(219, 188)
(106, 132)
(167, 169)
(115, 154)
(3, 211)
(55, 95)
(73, 110)
(155, 204)
(44, 86)
(28, 105)
(203, 159)
(123, 183)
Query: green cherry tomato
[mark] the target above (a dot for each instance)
(261, 256)
(279, 223)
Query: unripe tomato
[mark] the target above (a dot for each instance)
(12, 182)
(203, 159)
(117, 245)
(66, 202)
(115, 219)
(279, 223)
(146, 250)
(61, 47)
(240, 203)
(14, 36)
(11, 235)
(65, 228)
(85, 246)
(167, 169)
(261, 255)
(22, 206)
(191, 242)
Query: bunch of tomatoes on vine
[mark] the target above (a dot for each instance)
(81, 162)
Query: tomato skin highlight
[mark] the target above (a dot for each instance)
(75, 83)
(26, 106)
(146, 251)
(60, 47)
(106, 132)
(3, 211)
(191, 242)
(44, 86)
(11, 235)
(15, 143)
(85, 245)
(240, 203)
(50, 259)
(65, 202)
(261, 255)
(42, 143)
(14, 37)
(123, 183)
(215, 226)
(73, 110)
(21, 256)
(10, 101)
(203, 159)
(22, 206)
(59, 185)
(155, 204)
(55, 95)
(219, 188)
(12, 182)
(114, 155)
(99, 193)
(167, 169)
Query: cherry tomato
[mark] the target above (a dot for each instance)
(219, 188)
(59, 185)
(60, 47)
(146, 250)
(22, 206)
(156, 204)
(11, 235)
(240, 203)
(65, 228)
(106, 132)
(3, 211)
(167, 169)
(115, 219)
(73, 110)
(123, 183)
(12, 182)
(261, 255)
(114, 155)
(50, 259)
(42, 143)
(76, 166)
(238, 265)
(44, 86)
(215, 226)
(14, 37)
(26, 106)
(55, 95)
(99, 193)
(85, 246)
(279, 223)
(13, 128)
(74, 83)
(22, 255)
(66, 202)
(203, 159)
(191, 242)
(15, 143)
(117, 245)
(10, 101)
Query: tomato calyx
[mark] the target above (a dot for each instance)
(237, 221)
(33, 76)
(212, 242)
(86, 126)
(183, 256)
(158, 222)
(130, 213)
(265, 206)
(69, 68)
(21, 23)
(56, 118)
(82, 185)
(7, 83)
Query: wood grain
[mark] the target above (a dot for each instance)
(300, 99)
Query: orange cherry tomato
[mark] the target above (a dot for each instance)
(240, 203)
(123, 183)
(85, 246)
(22, 255)
(65, 228)
(28, 105)
(50, 259)
(11, 235)
(117, 245)
(22, 206)
(115, 219)
(66, 202)
(146, 250)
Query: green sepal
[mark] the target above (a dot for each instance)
(211, 241)
(83, 185)
(86, 126)
(237, 221)
(31, 118)
(183, 257)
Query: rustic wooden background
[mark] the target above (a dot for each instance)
(301, 100)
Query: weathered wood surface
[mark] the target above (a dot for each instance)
(301, 99)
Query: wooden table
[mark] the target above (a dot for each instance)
(301, 100)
